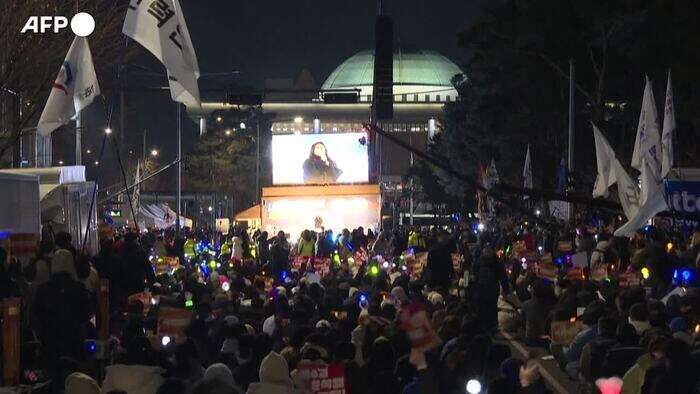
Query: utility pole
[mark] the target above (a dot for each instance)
(572, 86)
(78, 142)
(179, 167)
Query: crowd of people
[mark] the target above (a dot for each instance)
(413, 310)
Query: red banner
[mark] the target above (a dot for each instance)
(322, 379)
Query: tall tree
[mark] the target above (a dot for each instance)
(516, 89)
(29, 62)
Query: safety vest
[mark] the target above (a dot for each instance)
(226, 248)
(189, 248)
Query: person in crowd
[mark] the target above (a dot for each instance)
(569, 356)
(263, 249)
(306, 246)
(61, 311)
(273, 376)
(237, 250)
(489, 278)
(536, 310)
(138, 373)
(137, 272)
(674, 373)
(639, 318)
(279, 254)
(440, 267)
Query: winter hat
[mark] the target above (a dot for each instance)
(678, 324)
(281, 291)
(231, 320)
(221, 373)
(323, 324)
(274, 369)
(435, 298)
(63, 262)
(269, 325)
(79, 383)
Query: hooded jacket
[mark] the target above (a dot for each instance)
(79, 383)
(134, 379)
(274, 377)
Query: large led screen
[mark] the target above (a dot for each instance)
(319, 159)
(295, 214)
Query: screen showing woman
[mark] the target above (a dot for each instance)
(319, 168)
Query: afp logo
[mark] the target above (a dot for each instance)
(82, 24)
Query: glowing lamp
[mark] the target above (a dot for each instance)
(189, 304)
(473, 386)
(165, 340)
(669, 247)
(523, 260)
(572, 320)
(645, 273)
(374, 270)
(481, 227)
(385, 264)
(284, 275)
(212, 264)
(687, 275)
(225, 286)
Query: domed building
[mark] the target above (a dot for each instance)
(419, 76)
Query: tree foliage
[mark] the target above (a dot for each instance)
(516, 88)
(224, 159)
(30, 62)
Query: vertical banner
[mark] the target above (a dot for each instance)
(10, 341)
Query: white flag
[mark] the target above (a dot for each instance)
(605, 157)
(669, 128)
(160, 27)
(491, 178)
(654, 203)
(135, 199)
(627, 190)
(527, 172)
(647, 145)
(74, 89)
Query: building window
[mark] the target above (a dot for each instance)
(427, 98)
(437, 97)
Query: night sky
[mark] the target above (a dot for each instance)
(277, 39)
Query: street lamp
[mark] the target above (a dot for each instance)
(228, 132)
(108, 131)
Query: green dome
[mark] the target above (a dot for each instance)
(424, 68)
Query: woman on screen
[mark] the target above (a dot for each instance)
(319, 168)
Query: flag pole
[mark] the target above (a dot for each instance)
(78, 139)
(179, 168)
(572, 76)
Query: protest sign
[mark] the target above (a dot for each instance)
(144, 298)
(580, 259)
(564, 246)
(629, 279)
(546, 270)
(322, 378)
(173, 322)
(563, 332)
(418, 327)
(166, 264)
